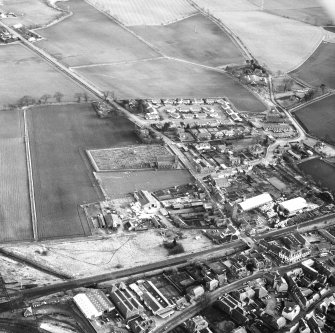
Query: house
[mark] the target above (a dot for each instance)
(291, 311)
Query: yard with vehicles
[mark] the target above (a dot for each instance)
(90, 37)
(63, 178)
(25, 74)
(317, 69)
(196, 39)
(319, 118)
(31, 13)
(279, 43)
(140, 12)
(120, 184)
(165, 78)
(15, 218)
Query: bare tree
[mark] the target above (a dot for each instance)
(106, 94)
(85, 96)
(288, 83)
(45, 98)
(78, 97)
(323, 88)
(58, 96)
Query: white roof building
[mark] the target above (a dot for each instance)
(293, 205)
(93, 304)
(255, 202)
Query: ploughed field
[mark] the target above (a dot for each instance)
(118, 184)
(319, 118)
(319, 68)
(15, 218)
(196, 39)
(90, 37)
(321, 171)
(24, 73)
(62, 175)
(169, 78)
(144, 12)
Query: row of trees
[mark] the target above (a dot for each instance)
(44, 99)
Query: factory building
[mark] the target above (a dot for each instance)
(255, 202)
(292, 206)
(93, 304)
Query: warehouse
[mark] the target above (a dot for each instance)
(255, 202)
(292, 206)
(93, 304)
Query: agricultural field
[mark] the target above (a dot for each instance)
(119, 184)
(319, 67)
(62, 175)
(15, 218)
(321, 171)
(196, 39)
(31, 13)
(319, 118)
(90, 37)
(165, 78)
(142, 12)
(277, 42)
(24, 73)
(226, 5)
(308, 11)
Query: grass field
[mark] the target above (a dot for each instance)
(29, 12)
(277, 42)
(168, 78)
(90, 37)
(142, 12)
(15, 218)
(196, 39)
(62, 175)
(319, 67)
(320, 171)
(319, 118)
(118, 184)
(23, 73)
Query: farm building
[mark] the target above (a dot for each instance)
(255, 202)
(147, 201)
(292, 206)
(93, 304)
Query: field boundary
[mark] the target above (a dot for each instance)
(30, 178)
(309, 55)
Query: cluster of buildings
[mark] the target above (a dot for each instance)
(5, 36)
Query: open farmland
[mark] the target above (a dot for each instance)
(62, 175)
(90, 37)
(24, 73)
(319, 68)
(309, 11)
(319, 118)
(143, 12)
(226, 5)
(168, 78)
(196, 39)
(119, 184)
(321, 171)
(15, 218)
(277, 42)
(31, 13)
